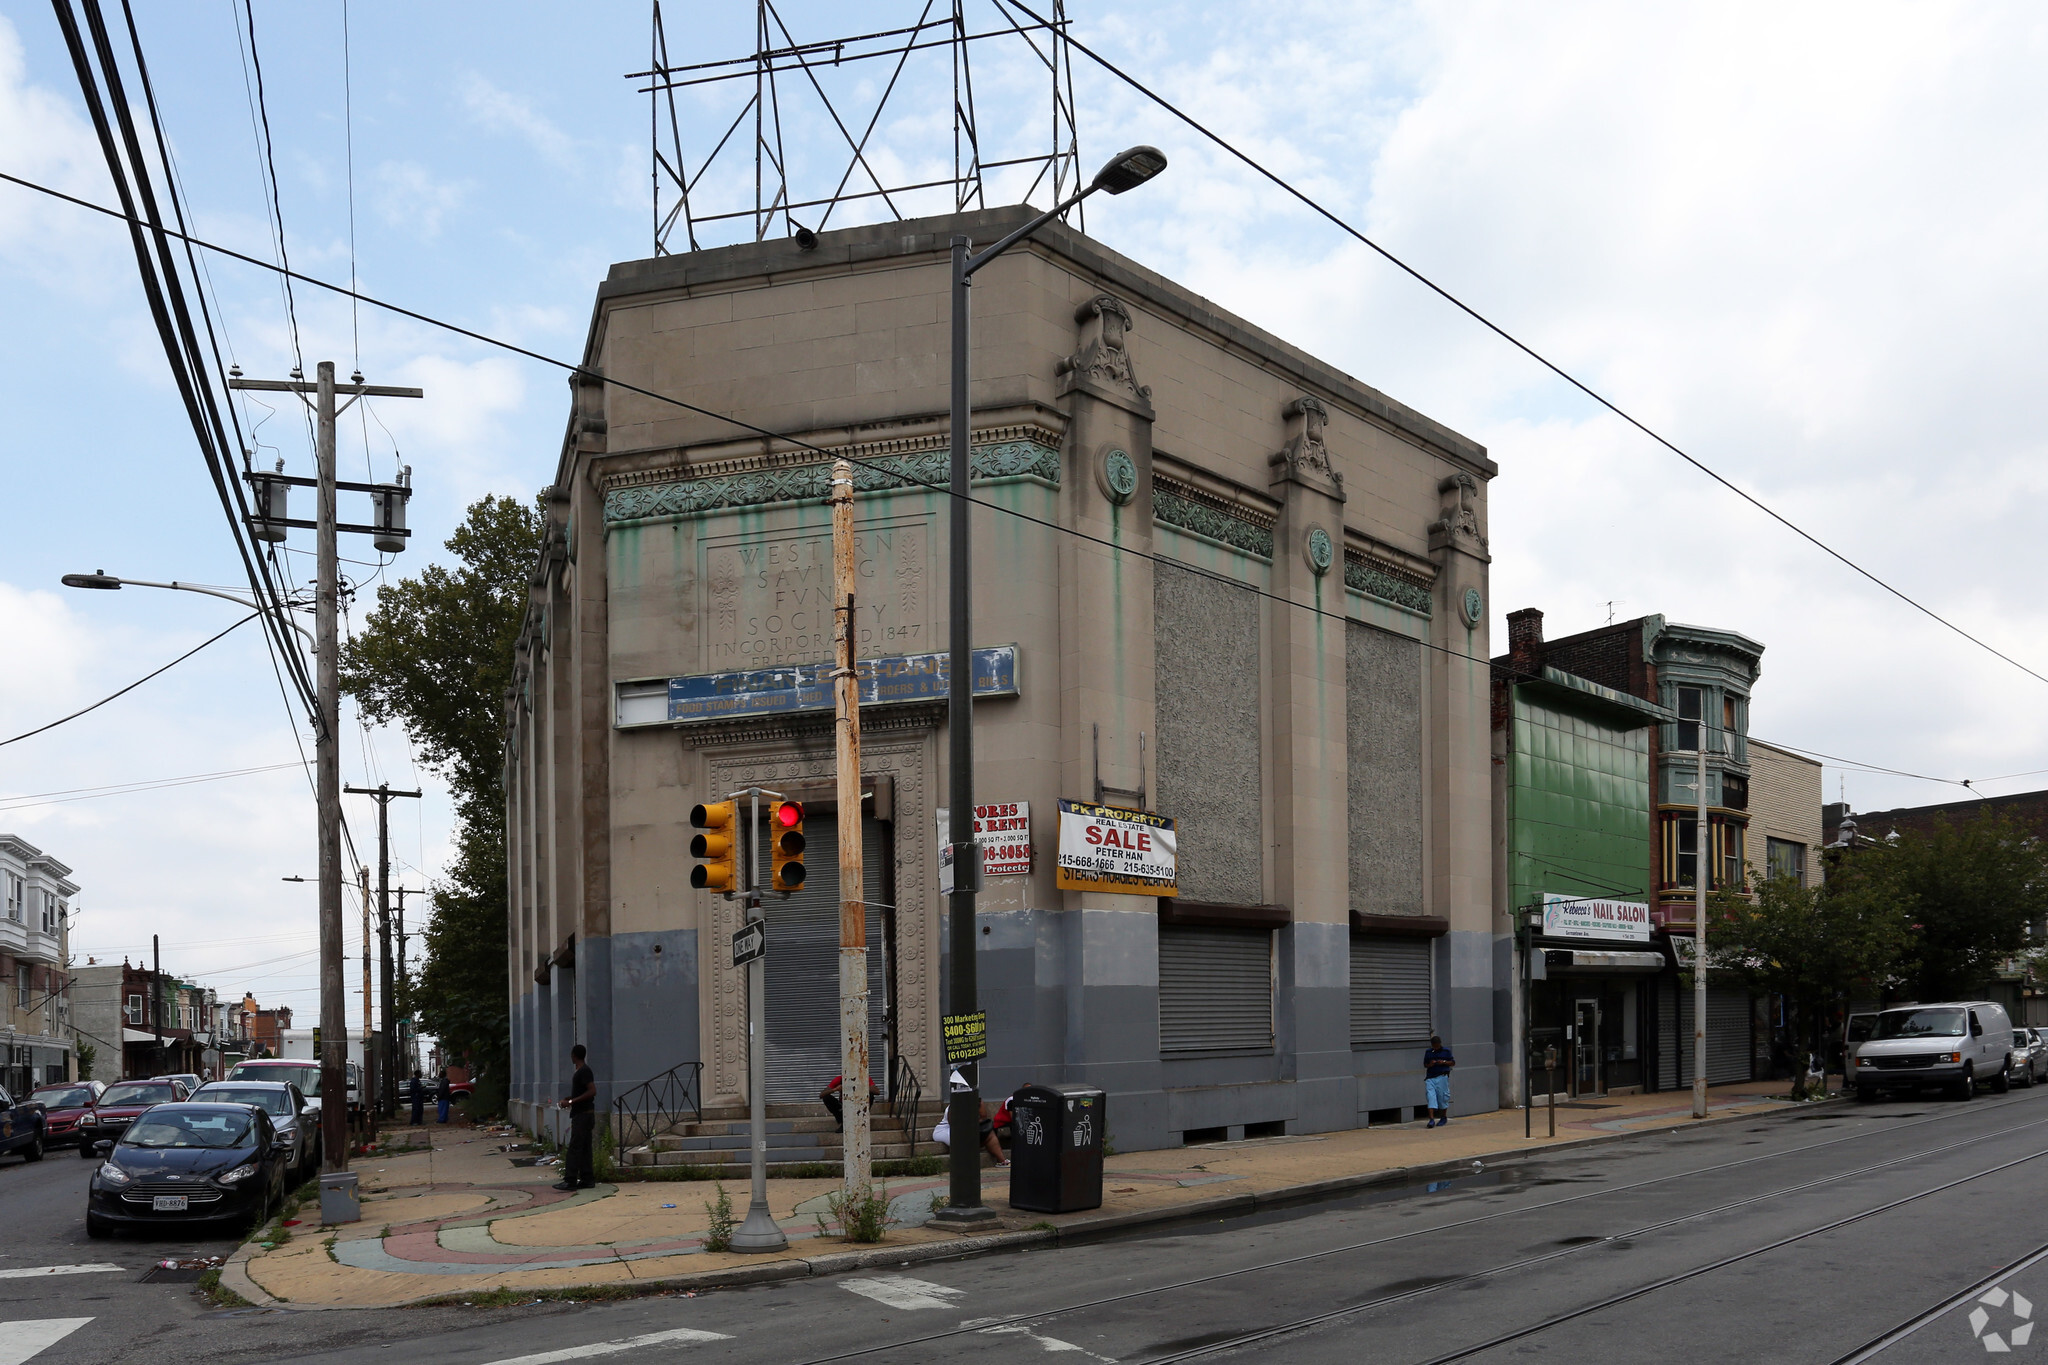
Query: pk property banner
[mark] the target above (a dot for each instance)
(1108, 848)
(1578, 917)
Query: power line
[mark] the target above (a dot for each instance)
(131, 686)
(124, 788)
(1525, 348)
(899, 476)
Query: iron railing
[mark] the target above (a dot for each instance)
(906, 1097)
(655, 1105)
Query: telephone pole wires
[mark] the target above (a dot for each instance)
(387, 1049)
(268, 522)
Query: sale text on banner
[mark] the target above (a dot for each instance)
(1109, 848)
(1583, 917)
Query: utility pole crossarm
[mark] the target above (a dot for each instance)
(307, 386)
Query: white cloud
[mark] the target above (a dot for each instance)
(410, 196)
(504, 112)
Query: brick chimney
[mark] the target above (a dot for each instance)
(1525, 640)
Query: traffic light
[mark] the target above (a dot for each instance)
(786, 835)
(717, 848)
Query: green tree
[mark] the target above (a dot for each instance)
(435, 656)
(1968, 889)
(1814, 946)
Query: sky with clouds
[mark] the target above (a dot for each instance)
(1800, 242)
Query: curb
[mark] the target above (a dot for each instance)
(234, 1274)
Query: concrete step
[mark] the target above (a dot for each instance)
(782, 1161)
(738, 1141)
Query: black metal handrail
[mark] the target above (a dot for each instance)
(656, 1104)
(906, 1097)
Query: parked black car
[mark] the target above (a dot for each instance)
(21, 1126)
(186, 1163)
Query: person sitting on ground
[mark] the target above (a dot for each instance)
(829, 1097)
(943, 1133)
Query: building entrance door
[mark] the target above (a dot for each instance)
(802, 965)
(1587, 1077)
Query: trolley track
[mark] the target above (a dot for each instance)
(984, 1325)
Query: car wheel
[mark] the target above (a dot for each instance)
(2002, 1082)
(96, 1228)
(1966, 1088)
(1866, 1093)
(85, 1152)
(34, 1150)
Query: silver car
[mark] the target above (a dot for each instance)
(295, 1119)
(2029, 1056)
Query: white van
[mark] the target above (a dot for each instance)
(1957, 1046)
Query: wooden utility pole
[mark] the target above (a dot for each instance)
(363, 890)
(327, 698)
(857, 1149)
(387, 1049)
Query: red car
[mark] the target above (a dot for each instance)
(119, 1105)
(67, 1107)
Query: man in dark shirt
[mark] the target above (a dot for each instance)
(1436, 1081)
(577, 1173)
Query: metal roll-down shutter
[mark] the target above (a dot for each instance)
(1215, 988)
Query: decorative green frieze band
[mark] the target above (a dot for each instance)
(812, 482)
(1378, 583)
(1213, 522)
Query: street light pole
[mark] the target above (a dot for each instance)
(1703, 845)
(1127, 171)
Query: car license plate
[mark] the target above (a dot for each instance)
(170, 1203)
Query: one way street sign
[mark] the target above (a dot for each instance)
(749, 942)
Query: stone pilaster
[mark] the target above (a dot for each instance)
(1111, 967)
(1310, 861)
(1461, 794)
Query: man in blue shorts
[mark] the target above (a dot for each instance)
(1436, 1081)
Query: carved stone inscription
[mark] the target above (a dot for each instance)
(768, 598)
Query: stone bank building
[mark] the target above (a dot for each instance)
(1216, 579)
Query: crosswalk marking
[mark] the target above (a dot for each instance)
(675, 1336)
(1024, 1330)
(20, 1341)
(901, 1291)
(33, 1271)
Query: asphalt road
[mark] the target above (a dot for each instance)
(1804, 1239)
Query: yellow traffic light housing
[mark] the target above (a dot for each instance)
(786, 843)
(717, 848)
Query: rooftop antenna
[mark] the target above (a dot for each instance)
(813, 110)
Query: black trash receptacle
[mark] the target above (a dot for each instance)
(1056, 1150)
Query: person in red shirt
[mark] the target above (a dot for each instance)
(829, 1096)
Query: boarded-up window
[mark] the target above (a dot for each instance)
(1215, 988)
(1390, 980)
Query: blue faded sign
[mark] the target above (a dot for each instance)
(808, 687)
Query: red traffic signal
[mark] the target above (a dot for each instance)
(786, 844)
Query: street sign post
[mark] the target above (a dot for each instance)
(749, 942)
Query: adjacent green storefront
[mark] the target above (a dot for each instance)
(1578, 821)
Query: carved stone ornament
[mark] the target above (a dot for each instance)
(1103, 359)
(1458, 522)
(1117, 475)
(1320, 552)
(1306, 458)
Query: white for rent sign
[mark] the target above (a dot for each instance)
(1580, 917)
(1109, 848)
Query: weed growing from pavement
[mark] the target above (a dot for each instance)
(718, 1237)
(209, 1289)
(861, 1218)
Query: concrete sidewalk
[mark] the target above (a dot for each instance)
(461, 1218)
